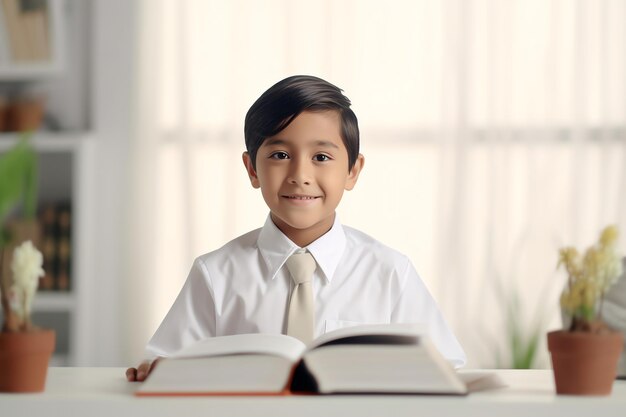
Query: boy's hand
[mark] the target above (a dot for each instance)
(142, 371)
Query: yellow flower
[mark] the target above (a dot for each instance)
(589, 296)
(569, 301)
(590, 277)
(569, 257)
(614, 269)
(609, 236)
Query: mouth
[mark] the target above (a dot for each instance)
(300, 197)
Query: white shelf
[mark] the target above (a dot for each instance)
(47, 141)
(54, 301)
(66, 174)
(59, 360)
(66, 167)
(22, 72)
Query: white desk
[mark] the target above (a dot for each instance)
(105, 392)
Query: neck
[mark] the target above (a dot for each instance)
(304, 237)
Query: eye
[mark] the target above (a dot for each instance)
(279, 155)
(321, 158)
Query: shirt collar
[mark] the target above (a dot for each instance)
(327, 250)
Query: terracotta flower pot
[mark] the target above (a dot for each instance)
(584, 363)
(24, 360)
(25, 115)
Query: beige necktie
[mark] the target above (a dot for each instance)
(301, 316)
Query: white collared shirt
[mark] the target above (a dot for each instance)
(243, 288)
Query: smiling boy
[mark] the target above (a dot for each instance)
(302, 143)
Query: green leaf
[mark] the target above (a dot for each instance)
(18, 181)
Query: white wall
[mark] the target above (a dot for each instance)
(112, 58)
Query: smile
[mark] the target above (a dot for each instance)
(300, 197)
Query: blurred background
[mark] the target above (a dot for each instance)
(494, 132)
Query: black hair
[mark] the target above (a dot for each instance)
(285, 100)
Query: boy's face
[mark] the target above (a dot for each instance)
(302, 173)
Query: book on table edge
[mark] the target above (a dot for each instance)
(372, 359)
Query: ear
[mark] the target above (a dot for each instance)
(353, 175)
(247, 161)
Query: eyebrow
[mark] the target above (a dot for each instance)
(322, 143)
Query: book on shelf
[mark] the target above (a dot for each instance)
(64, 253)
(55, 224)
(383, 359)
(35, 23)
(4, 40)
(13, 30)
(47, 220)
(25, 25)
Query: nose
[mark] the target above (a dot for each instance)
(299, 172)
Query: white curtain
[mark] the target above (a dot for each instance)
(493, 133)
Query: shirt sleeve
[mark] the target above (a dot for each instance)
(416, 305)
(191, 317)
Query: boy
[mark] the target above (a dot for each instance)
(302, 142)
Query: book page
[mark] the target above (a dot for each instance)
(258, 343)
(242, 374)
(382, 369)
(414, 330)
(481, 380)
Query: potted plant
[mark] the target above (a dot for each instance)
(585, 355)
(24, 348)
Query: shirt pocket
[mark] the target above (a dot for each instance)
(340, 324)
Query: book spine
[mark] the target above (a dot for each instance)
(64, 265)
(4, 39)
(27, 26)
(48, 220)
(18, 47)
(33, 23)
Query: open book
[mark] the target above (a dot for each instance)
(361, 359)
